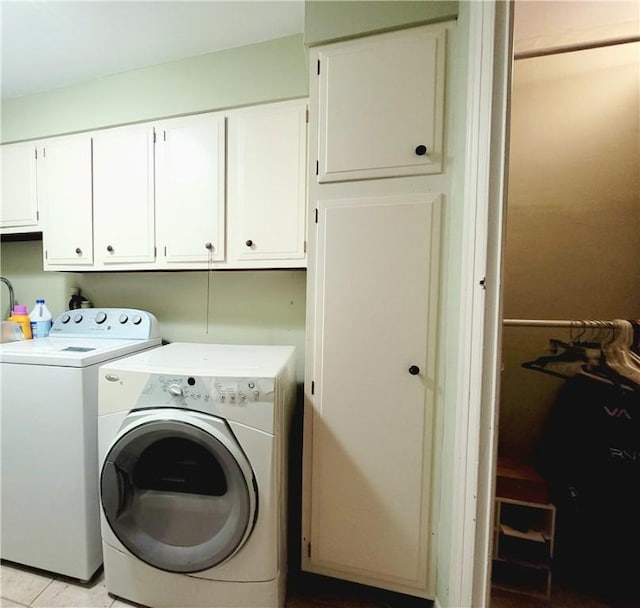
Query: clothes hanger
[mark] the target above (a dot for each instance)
(570, 354)
(618, 353)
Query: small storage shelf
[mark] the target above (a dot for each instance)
(523, 546)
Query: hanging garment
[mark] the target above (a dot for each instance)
(590, 455)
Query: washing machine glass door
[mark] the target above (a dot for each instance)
(178, 497)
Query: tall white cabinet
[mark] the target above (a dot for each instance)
(371, 378)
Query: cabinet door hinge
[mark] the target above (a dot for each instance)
(46, 254)
(309, 550)
(35, 153)
(483, 282)
(155, 252)
(318, 69)
(154, 136)
(164, 135)
(305, 247)
(37, 216)
(317, 167)
(313, 387)
(316, 218)
(307, 114)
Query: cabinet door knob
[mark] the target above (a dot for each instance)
(249, 243)
(421, 150)
(78, 250)
(110, 248)
(208, 246)
(414, 370)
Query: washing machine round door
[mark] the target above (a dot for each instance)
(177, 496)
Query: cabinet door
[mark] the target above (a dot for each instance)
(123, 195)
(267, 184)
(374, 387)
(190, 191)
(19, 188)
(380, 106)
(65, 181)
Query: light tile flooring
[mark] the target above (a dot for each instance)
(20, 587)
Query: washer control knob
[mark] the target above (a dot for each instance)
(175, 390)
(123, 319)
(77, 318)
(137, 319)
(101, 317)
(66, 318)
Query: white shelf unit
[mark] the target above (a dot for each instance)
(523, 546)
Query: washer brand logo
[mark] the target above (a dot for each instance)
(111, 378)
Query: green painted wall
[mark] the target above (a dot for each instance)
(268, 71)
(329, 21)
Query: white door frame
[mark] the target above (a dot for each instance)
(485, 160)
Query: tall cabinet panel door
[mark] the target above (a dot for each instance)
(374, 391)
(190, 192)
(267, 185)
(123, 195)
(65, 182)
(380, 107)
(19, 206)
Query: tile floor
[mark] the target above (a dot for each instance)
(21, 587)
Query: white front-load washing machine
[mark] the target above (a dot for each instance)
(193, 450)
(50, 515)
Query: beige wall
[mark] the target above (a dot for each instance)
(573, 222)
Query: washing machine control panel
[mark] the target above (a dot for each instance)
(205, 393)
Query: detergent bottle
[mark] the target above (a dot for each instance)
(20, 316)
(41, 320)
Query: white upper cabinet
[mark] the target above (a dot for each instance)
(267, 185)
(65, 183)
(19, 205)
(179, 193)
(190, 189)
(123, 195)
(380, 105)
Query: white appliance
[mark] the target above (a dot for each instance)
(193, 453)
(50, 513)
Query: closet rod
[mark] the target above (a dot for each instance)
(552, 323)
(570, 48)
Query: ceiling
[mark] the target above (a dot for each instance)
(47, 45)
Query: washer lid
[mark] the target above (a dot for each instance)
(178, 497)
(70, 352)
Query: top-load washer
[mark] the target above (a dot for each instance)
(193, 452)
(50, 516)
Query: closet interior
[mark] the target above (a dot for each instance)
(567, 505)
